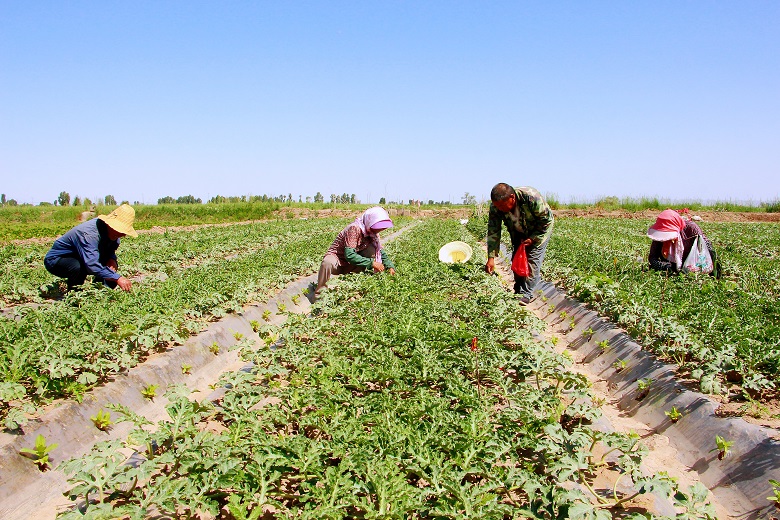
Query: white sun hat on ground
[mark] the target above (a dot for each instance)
(455, 253)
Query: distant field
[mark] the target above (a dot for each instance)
(23, 222)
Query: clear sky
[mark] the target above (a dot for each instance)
(396, 99)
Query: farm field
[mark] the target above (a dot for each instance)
(724, 334)
(423, 395)
(384, 388)
(59, 348)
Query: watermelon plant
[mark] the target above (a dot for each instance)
(382, 404)
(716, 331)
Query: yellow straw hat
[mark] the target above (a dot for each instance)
(455, 253)
(121, 220)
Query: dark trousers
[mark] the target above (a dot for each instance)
(330, 265)
(525, 285)
(72, 269)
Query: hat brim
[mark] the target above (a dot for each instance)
(455, 252)
(382, 224)
(661, 236)
(118, 226)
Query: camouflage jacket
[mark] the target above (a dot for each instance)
(531, 218)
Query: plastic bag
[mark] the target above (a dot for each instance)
(699, 259)
(520, 262)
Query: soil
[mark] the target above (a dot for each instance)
(662, 456)
(649, 214)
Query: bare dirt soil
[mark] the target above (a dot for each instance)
(648, 214)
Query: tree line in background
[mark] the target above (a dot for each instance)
(608, 203)
(64, 199)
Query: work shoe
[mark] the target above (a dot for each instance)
(525, 300)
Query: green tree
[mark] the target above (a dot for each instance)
(166, 200)
(2, 199)
(109, 200)
(77, 201)
(318, 197)
(64, 198)
(382, 201)
(469, 199)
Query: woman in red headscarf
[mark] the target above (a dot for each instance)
(673, 239)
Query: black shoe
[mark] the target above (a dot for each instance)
(525, 300)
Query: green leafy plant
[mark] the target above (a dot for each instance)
(619, 365)
(102, 420)
(238, 336)
(379, 402)
(643, 388)
(603, 344)
(267, 315)
(281, 308)
(186, 368)
(255, 325)
(722, 446)
(40, 452)
(588, 332)
(214, 348)
(295, 298)
(674, 414)
(150, 391)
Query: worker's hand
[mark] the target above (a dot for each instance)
(378, 267)
(391, 271)
(527, 242)
(490, 265)
(124, 284)
(111, 264)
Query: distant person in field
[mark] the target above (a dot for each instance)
(90, 248)
(357, 248)
(673, 239)
(529, 220)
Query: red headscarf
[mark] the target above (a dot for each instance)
(667, 229)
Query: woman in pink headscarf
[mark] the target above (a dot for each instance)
(357, 248)
(673, 239)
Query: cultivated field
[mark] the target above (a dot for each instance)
(430, 394)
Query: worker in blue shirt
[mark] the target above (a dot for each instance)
(90, 248)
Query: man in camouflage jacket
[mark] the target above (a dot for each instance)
(529, 220)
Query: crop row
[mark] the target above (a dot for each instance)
(58, 348)
(420, 395)
(721, 332)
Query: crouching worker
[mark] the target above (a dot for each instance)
(357, 248)
(90, 248)
(673, 238)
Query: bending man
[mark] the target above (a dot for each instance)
(529, 220)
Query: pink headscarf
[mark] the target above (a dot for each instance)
(373, 220)
(667, 229)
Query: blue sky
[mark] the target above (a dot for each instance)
(395, 99)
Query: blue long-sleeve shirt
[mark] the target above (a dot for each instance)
(89, 241)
